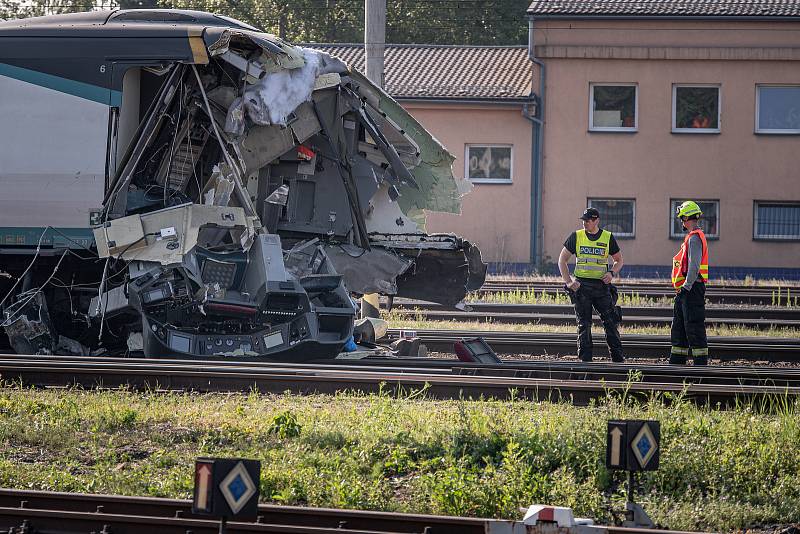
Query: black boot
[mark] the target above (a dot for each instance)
(676, 359)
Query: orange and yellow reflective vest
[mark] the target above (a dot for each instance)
(680, 262)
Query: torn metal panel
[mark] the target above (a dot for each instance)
(445, 267)
(439, 190)
(28, 326)
(165, 236)
(384, 215)
(263, 144)
(371, 271)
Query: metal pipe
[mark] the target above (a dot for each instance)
(374, 39)
(537, 147)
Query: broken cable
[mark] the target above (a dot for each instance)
(35, 292)
(243, 198)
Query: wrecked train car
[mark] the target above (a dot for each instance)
(177, 183)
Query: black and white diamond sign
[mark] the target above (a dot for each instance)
(226, 487)
(644, 446)
(238, 488)
(633, 445)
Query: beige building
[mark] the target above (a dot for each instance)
(475, 100)
(652, 102)
(637, 106)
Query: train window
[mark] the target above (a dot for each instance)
(709, 222)
(613, 107)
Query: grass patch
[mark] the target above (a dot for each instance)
(720, 470)
(747, 281)
(549, 297)
(419, 322)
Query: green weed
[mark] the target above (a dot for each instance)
(720, 470)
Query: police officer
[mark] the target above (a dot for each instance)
(689, 277)
(591, 286)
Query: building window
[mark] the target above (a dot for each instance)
(616, 215)
(695, 108)
(776, 220)
(709, 222)
(489, 164)
(778, 109)
(613, 107)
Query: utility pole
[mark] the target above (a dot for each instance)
(374, 39)
(374, 44)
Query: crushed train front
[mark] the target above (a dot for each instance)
(265, 185)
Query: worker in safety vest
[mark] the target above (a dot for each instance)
(689, 277)
(591, 286)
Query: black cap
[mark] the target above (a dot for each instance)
(590, 213)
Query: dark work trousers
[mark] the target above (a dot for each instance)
(689, 326)
(595, 294)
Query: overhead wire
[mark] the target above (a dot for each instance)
(35, 256)
(35, 292)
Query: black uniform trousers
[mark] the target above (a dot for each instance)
(689, 326)
(595, 294)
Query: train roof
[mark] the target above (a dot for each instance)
(120, 22)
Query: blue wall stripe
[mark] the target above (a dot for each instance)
(63, 85)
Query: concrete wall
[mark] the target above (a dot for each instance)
(495, 216)
(653, 165)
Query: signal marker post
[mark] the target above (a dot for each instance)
(226, 488)
(632, 446)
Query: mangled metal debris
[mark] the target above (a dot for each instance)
(264, 186)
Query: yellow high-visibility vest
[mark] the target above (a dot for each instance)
(591, 256)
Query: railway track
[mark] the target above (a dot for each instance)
(546, 381)
(762, 296)
(752, 317)
(55, 512)
(636, 346)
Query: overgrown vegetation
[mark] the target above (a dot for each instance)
(531, 296)
(720, 470)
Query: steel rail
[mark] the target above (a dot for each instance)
(324, 518)
(494, 281)
(123, 515)
(636, 346)
(568, 318)
(60, 521)
(571, 370)
(712, 312)
(312, 378)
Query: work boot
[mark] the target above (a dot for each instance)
(703, 360)
(677, 360)
(585, 357)
(619, 358)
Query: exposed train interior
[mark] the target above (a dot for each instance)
(249, 199)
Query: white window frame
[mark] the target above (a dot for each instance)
(772, 131)
(510, 180)
(776, 237)
(621, 235)
(675, 128)
(674, 202)
(627, 129)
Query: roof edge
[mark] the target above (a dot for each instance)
(472, 100)
(727, 18)
(415, 45)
